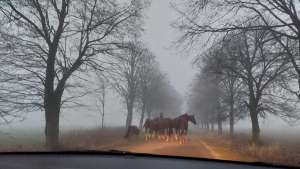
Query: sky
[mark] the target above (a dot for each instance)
(158, 36)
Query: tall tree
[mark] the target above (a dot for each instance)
(125, 75)
(204, 20)
(46, 45)
(100, 95)
(149, 70)
(231, 86)
(260, 63)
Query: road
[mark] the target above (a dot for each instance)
(192, 148)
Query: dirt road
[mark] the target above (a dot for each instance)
(192, 148)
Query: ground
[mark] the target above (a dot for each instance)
(192, 148)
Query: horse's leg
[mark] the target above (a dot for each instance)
(183, 135)
(176, 133)
(169, 133)
(150, 131)
(146, 131)
(186, 137)
(159, 134)
(172, 134)
(180, 134)
(167, 138)
(153, 133)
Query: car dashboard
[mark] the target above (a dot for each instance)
(115, 161)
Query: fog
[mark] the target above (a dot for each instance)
(158, 36)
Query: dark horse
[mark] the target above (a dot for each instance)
(152, 125)
(174, 125)
(182, 126)
(161, 126)
(131, 131)
(168, 127)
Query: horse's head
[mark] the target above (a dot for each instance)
(192, 119)
(161, 115)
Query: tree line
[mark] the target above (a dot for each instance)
(55, 52)
(248, 59)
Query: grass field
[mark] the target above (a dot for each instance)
(277, 147)
(72, 139)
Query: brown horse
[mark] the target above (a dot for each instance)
(168, 127)
(174, 125)
(131, 131)
(161, 126)
(152, 125)
(182, 126)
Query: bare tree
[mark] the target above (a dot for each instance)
(260, 63)
(204, 20)
(149, 69)
(125, 75)
(100, 95)
(47, 45)
(232, 88)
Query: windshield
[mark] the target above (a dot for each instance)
(197, 78)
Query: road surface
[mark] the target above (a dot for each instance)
(192, 148)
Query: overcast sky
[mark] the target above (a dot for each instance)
(158, 37)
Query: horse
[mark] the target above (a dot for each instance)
(152, 125)
(174, 125)
(161, 127)
(168, 127)
(182, 126)
(131, 131)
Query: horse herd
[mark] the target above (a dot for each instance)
(161, 126)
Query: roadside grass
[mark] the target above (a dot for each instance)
(271, 150)
(72, 139)
(79, 139)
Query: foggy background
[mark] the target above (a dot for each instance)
(158, 36)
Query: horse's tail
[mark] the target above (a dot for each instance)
(128, 131)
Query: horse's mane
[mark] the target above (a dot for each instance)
(184, 115)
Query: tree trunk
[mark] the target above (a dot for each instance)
(148, 114)
(149, 109)
(207, 127)
(129, 115)
(52, 125)
(103, 113)
(142, 115)
(129, 118)
(255, 127)
(231, 112)
(212, 123)
(102, 123)
(231, 120)
(220, 127)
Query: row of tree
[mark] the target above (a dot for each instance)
(249, 59)
(135, 75)
(53, 52)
